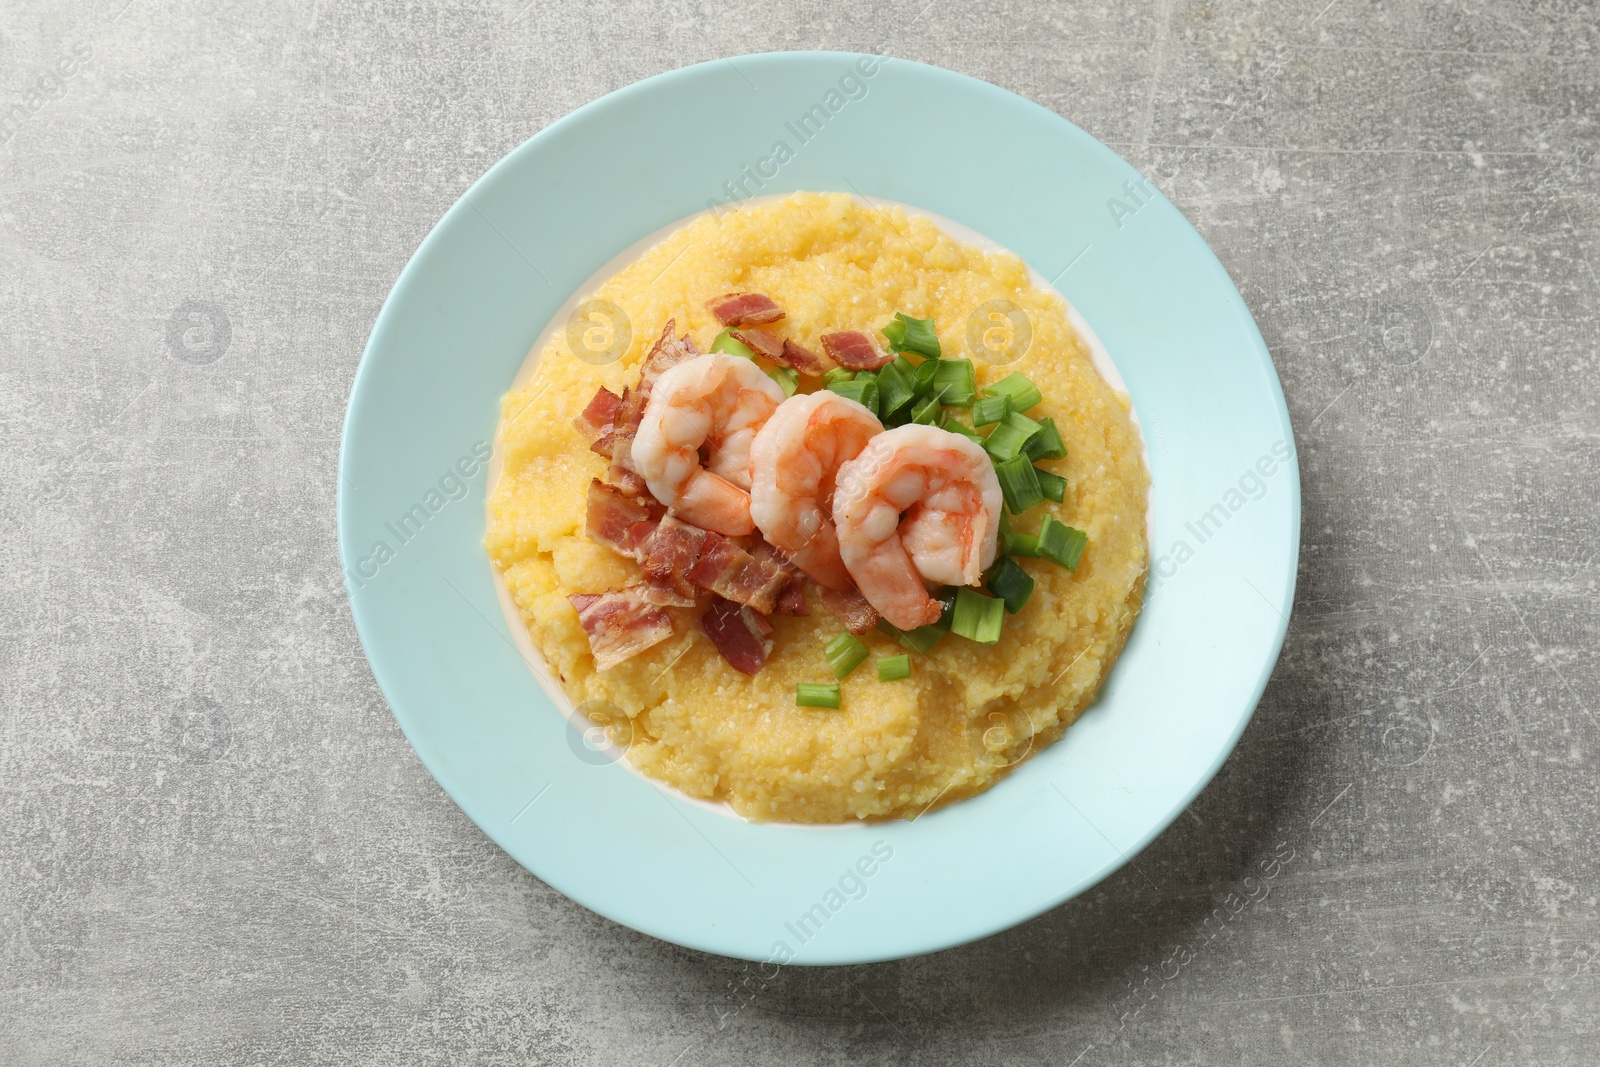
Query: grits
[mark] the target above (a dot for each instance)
(968, 712)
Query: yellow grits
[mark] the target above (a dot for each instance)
(968, 712)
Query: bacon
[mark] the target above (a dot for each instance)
(792, 601)
(595, 420)
(670, 555)
(855, 350)
(613, 517)
(621, 472)
(620, 624)
(850, 608)
(666, 353)
(802, 359)
(762, 341)
(730, 571)
(739, 633)
(665, 594)
(630, 409)
(744, 309)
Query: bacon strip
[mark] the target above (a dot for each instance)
(850, 608)
(670, 555)
(613, 519)
(792, 599)
(620, 624)
(739, 633)
(730, 571)
(744, 309)
(595, 420)
(802, 359)
(761, 340)
(855, 350)
(666, 353)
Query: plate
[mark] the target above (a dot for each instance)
(1224, 519)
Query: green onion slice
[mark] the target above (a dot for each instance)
(954, 382)
(788, 379)
(1018, 389)
(895, 388)
(1061, 543)
(1011, 437)
(1048, 443)
(926, 410)
(845, 653)
(816, 695)
(1013, 543)
(863, 389)
(894, 668)
(1019, 483)
(906, 334)
(837, 375)
(977, 617)
(987, 410)
(1053, 486)
(922, 376)
(1010, 583)
(955, 425)
(730, 345)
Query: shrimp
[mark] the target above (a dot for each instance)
(919, 506)
(793, 463)
(714, 403)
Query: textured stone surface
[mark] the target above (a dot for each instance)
(215, 845)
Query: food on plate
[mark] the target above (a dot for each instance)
(776, 551)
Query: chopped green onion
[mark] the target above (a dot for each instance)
(954, 382)
(893, 668)
(1019, 483)
(1011, 436)
(1010, 583)
(788, 379)
(906, 334)
(1018, 389)
(894, 386)
(845, 653)
(955, 425)
(1005, 523)
(1020, 544)
(863, 389)
(990, 409)
(837, 375)
(926, 410)
(1048, 444)
(924, 638)
(1053, 486)
(977, 617)
(1061, 543)
(922, 377)
(816, 695)
(730, 345)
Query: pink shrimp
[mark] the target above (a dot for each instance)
(712, 403)
(919, 506)
(793, 463)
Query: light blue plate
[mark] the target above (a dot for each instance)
(1224, 525)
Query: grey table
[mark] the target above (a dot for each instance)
(216, 846)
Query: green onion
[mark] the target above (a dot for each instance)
(906, 334)
(922, 376)
(895, 390)
(990, 409)
(845, 653)
(816, 695)
(1011, 436)
(1053, 486)
(1018, 389)
(1048, 444)
(1010, 583)
(730, 345)
(924, 638)
(837, 375)
(927, 410)
(893, 668)
(977, 617)
(1020, 544)
(1061, 543)
(863, 389)
(1005, 523)
(1019, 482)
(954, 382)
(788, 379)
(955, 425)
